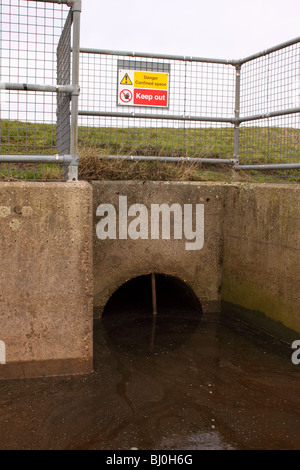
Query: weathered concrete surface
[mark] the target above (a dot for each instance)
(261, 267)
(251, 247)
(250, 259)
(45, 278)
(116, 261)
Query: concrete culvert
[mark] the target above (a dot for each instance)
(172, 294)
(129, 321)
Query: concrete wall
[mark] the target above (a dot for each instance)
(45, 278)
(116, 261)
(261, 268)
(251, 248)
(250, 259)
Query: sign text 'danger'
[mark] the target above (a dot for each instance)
(151, 80)
(143, 88)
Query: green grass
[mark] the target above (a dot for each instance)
(269, 145)
(257, 145)
(209, 142)
(27, 138)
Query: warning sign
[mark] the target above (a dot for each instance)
(151, 80)
(126, 96)
(143, 88)
(126, 80)
(150, 97)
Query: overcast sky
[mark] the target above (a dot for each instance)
(229, 29)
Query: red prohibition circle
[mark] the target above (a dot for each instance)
(125, 96)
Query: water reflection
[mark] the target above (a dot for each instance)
(144, 333)
(204, 382)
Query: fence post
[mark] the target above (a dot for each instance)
(71, 173)
(236, 148)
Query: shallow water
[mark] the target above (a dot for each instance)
(176, 382)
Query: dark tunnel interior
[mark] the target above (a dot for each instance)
(129, 322)
(172, 294)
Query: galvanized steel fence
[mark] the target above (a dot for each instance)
(39, 89)
(240, 113)
(269, 112)
(197, 123)
(244, 112)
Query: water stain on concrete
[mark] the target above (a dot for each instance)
(5, 211)
(15, 225)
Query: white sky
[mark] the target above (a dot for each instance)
(228, 29)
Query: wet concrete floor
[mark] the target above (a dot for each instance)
(177, 382)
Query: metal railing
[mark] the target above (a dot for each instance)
(39, 88)
(195, 124)
(270, 110)
(241, 113)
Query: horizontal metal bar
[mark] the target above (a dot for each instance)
(66, 2)
(256, 117)
(191, 58)
(174, 117)
(270, 50)
(270, 166)
(155, 116)
(33, 87)
(75, 4)
(212, 161)
(147, 55)
(59, 159)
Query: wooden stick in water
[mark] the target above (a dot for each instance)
(154, 300)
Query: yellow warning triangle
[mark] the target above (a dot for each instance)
(126, 80)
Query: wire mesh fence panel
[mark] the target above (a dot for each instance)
(199, 118)
(29, 34)
(139, 105)
(271, 82)
(270, 99)
(134, 136)
(273, 140)
(194, 89)
(63, 132)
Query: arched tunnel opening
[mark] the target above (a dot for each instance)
(172, 294)
(130, 321)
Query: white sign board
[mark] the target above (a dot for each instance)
(143, 88)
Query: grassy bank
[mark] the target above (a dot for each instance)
(257, 145)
